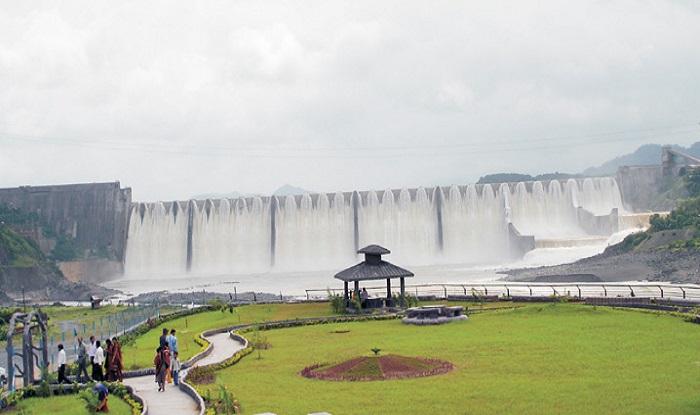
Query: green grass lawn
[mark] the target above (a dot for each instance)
(140, 355)
(65, 405)
(538, 359)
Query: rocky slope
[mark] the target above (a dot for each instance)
(42, 284)
(26, 272)
(680, 266)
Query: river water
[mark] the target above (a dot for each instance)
(296, 284)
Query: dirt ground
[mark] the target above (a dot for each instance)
(645, 265)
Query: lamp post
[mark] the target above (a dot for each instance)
(24, 306)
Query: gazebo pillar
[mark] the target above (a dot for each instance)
(345, 292)
(357, 289)
(388, 288)
(403, 291)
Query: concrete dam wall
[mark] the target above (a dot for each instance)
(95, 214)
(480, 224)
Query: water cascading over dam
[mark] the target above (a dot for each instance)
(472, 224)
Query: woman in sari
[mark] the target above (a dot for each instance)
(115, 361)
(108, 351)
(162, 363)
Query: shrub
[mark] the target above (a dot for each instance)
(201, 375)
(91, 400)
(337, 303)
(227, 403)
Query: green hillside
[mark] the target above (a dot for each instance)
(685, 217)
(17, 251)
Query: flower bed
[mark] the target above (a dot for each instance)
(378, 368)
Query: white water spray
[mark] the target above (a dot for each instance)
(469, 225)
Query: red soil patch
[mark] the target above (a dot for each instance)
(378, 368)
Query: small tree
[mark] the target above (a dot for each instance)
(478, 296)
(227, 404)
(259, 341)
(337, 303)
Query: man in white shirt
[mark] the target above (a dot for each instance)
(61, 364)
(92, 349)
(99, 360)
(91, 354)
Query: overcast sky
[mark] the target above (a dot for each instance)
(178, 98)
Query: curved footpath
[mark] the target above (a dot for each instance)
(175, 401)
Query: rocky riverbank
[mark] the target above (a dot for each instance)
(62, 290)
(43, 283)
(682, 266)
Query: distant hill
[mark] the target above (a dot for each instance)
(289, 190)
(516, 177)
(230, 195)
(646, 155)
(285, 190)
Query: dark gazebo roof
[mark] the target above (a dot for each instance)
(373, 267)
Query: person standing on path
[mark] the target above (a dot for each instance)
(61, 364)
(91, 350)
(91, 355)
(115, 362)
(175, 367)
(163, 338)
(107, 351)
(162, 364)
(97, 365)
(82, 361)
(172, 342)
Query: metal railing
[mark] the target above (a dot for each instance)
(504, 289)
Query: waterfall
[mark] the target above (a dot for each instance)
(474, 224)
(407, 226)
(456, 225)
(600, 196)
(314, 234)
(229, 237)
(157, 239)
(546, 210)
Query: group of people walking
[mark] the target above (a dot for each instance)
(109, 357)
(166, 360)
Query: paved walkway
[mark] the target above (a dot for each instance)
(174, 401)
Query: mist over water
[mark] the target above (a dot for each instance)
(314, 235)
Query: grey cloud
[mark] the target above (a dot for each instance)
(177, 98)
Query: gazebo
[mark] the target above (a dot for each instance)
(374, 268)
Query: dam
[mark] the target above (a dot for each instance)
(474, 225)
(477, 224)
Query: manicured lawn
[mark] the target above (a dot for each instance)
(66, 405)
(538, 359)
(141, 354)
